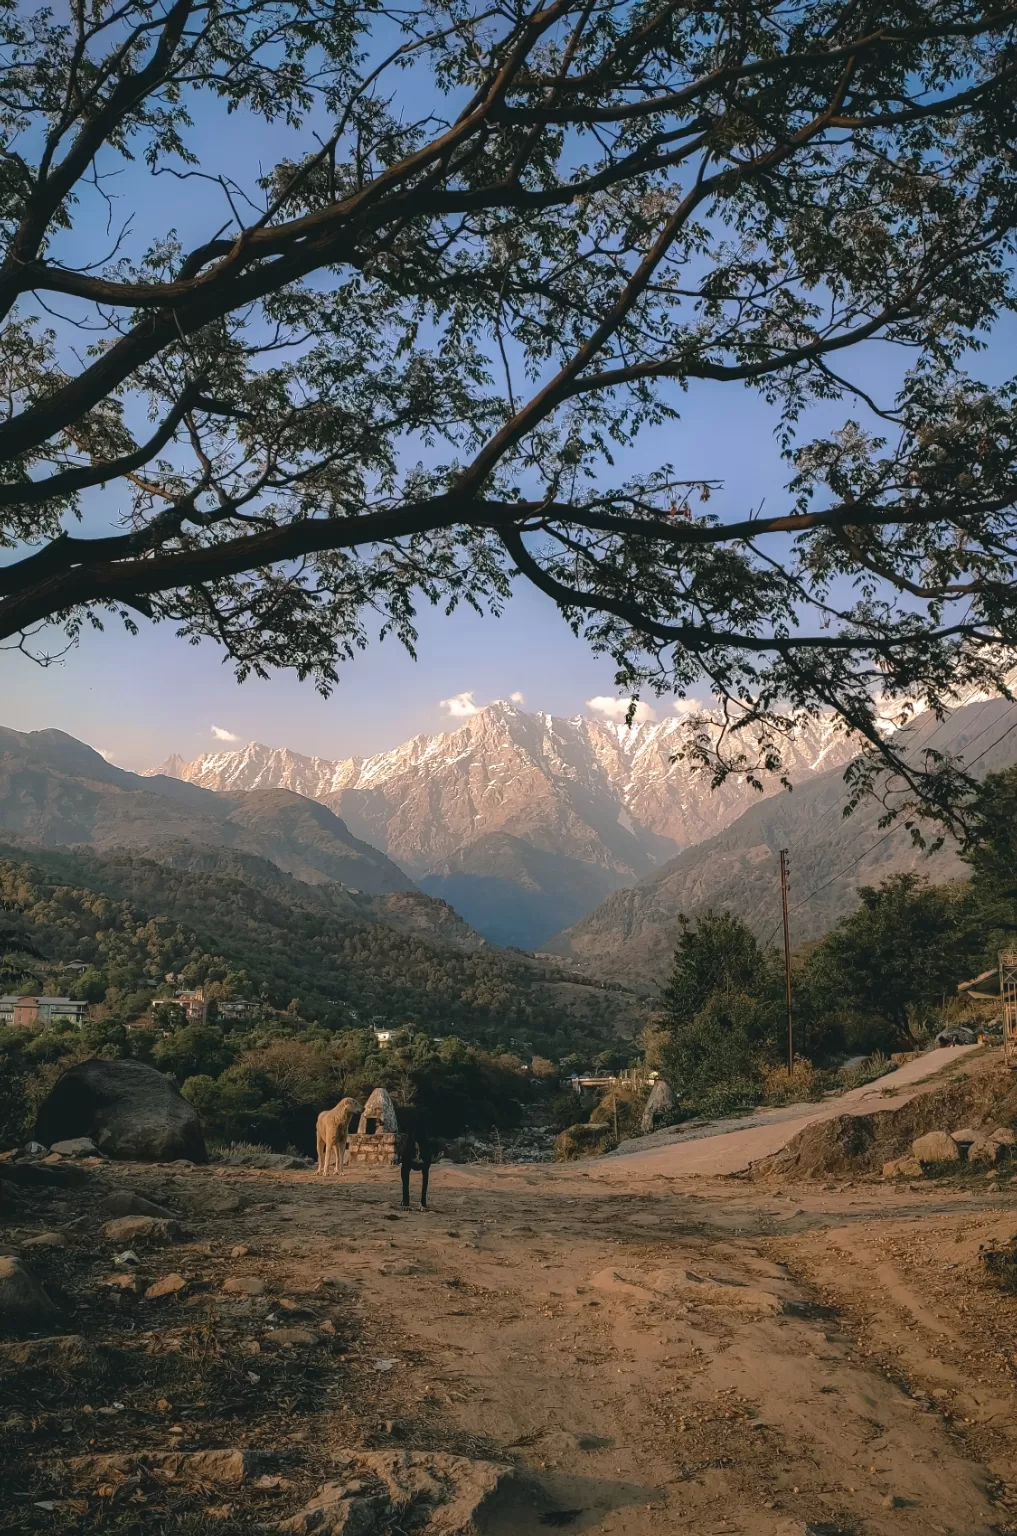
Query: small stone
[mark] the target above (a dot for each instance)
(77, 1146)
(130, 1283)
(291, 1338)
(240, 1251)
(250, 1347)
(244, 1285)
(46, 1240)
(893, 1501)
(151, 1231)
(166, 1285)
(936, 1147)
(294, 1308)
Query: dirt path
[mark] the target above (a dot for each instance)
(724, 1147)
(688, 1358)
(690, 1355)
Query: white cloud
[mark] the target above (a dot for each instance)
(687, 707)
(617, 709)
(461, 705)
(223, 735)
(104, 752)
(517, 698)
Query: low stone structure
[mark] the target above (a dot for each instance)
(374, 1142)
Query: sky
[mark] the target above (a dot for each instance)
(137, 699)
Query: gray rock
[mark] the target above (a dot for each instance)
(23, 1302)
(128, 1109)
(78, 1146)
(244, 1285)
(280, 1162)
(149, 1231)
(126, 1202)
(661, 1102)
(956, 1035)
(34, 1149)
(936, 1147)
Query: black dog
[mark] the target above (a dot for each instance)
(414, 1147)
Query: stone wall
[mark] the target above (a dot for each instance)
(375, 1151)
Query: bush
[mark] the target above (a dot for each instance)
(802, 1084)
(583, 1141)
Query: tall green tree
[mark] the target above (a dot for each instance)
(720, 1009)
(396, 366)
(904, 948)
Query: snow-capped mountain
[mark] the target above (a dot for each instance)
(460, 811)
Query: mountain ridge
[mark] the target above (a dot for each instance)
(56, 791)
(604, 803)
(631, 935)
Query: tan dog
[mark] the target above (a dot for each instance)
(332, 1133)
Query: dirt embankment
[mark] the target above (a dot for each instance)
(983, 1098)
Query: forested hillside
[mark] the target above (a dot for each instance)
(325, 954)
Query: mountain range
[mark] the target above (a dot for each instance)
(56, 790)
(523, 822)
(631, 936)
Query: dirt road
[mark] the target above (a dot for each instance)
(703, 1356)
(730, 1146)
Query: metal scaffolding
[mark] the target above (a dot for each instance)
(1008, 993)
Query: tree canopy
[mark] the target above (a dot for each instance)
(500, 243)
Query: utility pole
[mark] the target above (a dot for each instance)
(787, 959)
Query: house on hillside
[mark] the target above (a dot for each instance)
(30, 1012)
(234, 1008)
(194, 1004)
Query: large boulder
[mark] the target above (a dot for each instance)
(23, 1302)
(129, 1110)
(935, 1147)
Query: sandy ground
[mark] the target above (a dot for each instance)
(664, 1352)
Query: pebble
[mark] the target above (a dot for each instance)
(166, 1285)
(244, 1285)
(46, 1240)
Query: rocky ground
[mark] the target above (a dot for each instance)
(571, 1347)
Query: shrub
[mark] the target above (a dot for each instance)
(802, 1084)
(583, 1141)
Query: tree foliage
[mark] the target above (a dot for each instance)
(503, 243)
